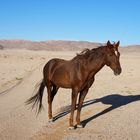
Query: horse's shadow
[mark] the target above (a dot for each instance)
(115, 100)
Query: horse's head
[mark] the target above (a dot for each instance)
(113, 57)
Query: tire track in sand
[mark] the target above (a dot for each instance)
(27, 74)
(16, 121)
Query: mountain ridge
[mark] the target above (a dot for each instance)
(57, 45)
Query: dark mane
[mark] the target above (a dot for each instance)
(87, 52)
(84, 53)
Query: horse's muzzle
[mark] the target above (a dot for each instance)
(117, 71)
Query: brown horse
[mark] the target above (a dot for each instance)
(77, 74)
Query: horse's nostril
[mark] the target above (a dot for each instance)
(117, 71)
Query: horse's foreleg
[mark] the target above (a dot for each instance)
(73, 106)
(81, 99)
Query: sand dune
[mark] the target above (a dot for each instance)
(111, 108)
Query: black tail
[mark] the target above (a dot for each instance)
(36, 100)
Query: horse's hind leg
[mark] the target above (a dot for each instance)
(49, 87)
(51, 94)
(54, 91)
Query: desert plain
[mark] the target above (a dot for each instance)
(111, 109)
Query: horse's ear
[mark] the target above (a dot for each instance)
(108, 43)
(117, 44)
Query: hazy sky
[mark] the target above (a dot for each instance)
(84, 20)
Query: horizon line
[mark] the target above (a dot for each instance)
(66, 40)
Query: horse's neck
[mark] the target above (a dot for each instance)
(96, 62)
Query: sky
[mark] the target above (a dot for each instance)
(80, 20)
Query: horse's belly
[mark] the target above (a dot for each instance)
(63, 83)
(61, 79)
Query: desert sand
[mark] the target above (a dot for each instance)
(111, 109)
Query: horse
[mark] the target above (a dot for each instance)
(77, 74)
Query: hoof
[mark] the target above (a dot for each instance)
(51, 120)
(79, 126)
(71, 128)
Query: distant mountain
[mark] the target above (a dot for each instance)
(58, 45)
(1, 47)
(48, 45)
(130, 48)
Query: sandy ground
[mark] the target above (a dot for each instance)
(111, 110)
